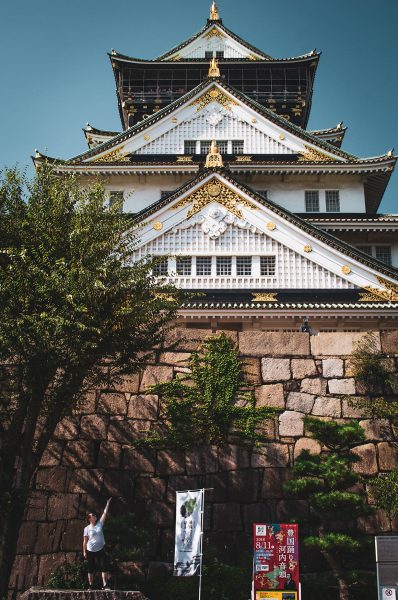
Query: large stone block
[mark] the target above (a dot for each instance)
(275, 369)
(338, 343)
(139, 460)
(351, 412)
(67, 429)
(251, 369)
(342, 386)
(233, 457)
(87, 404)
(109, 455)
(286, 509)
(127, 431)
(79, 454)
(144, 407)
(170, 462)
(273, 481)
(325, 406)
(181, 482)
(52, 455)
(291, 424)
(71, 536)
(260, 343)
(375, 430)
(175, 359)
(218, 487)
(314, 385)
(45, 594)
(303, 367)
(300, 402)
(367, 464)
(256, 513)
(333, 367)
(162, 514)
(27, 537)
(155, 374)
(203, 459)
(51, 479)
(118, 484)
(388, 456)
(86, 481)
(112, 403)
(153, 488)
(243, 486)
(129, 384)
(187, 340)
(305, 443)
(389, 342)
(24, 573)
(63, 506)
(270, 395)
(36, 506)
(227, 517)
(94, 427)
(271, 455)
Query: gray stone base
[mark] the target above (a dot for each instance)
(36, 593)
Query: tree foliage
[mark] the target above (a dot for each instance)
(210, 405)
(385, 491)
(71, 302)
(327, 482)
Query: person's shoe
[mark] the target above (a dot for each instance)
(106, 587)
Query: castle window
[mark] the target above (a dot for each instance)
(209, 54)
(332, 201)
(224, 265)
(165, 193)
(383, 254)
(205, 147)
(189, 147)
(184, 265)
(116, 200)
(160, 269)
(223, 147)
(267, 265)
(312, 201)
(365, 249)
(220, 54)
(203, 265)
(237, 146)
(244, 265)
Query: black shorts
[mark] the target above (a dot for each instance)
(97, 561)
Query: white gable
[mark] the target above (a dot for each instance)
(215, 40)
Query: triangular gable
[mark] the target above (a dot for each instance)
(215, 205)
(214, 99)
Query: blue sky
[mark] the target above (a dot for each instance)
(56, 75)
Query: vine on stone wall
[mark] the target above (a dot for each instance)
(210, 405)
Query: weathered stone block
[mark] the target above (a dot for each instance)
(79, 454)
(260, 343)
(341, 386)
(243, 486)
(273, 481)
(389, 342)
(36, 506)
(63, 506)
(119, 484)
(251, 369)
(52, 455)
(175, 359)
(286, 508)
(291, 424)
(27, 537)
(203, 459)
(67, 429)
(333, 367)
(94, 427)
(139, 460)
(375, 430)
(256, 513)
(275, 369)
(48, 564)
(112, 403)
(181, 482)
(270, 395)
(187, 340)
(227, 517)
(337, 343)
(306, 443)
(86, 405)
(300, 402)
(271, 455)
(218, 487)
(368, 463)
(327, 407)
(315, 386)
(129, 384)
(154, 375)
(86, 481)
(127, 431)
(24, 573)
(376, 523)
(170, 462)
(71, 537)
(144, 407)
(388, 456)
(233, 457)
(109, 455)
(303, 367)
(162, 514)
(150, 487)
(351, 412)
(52, 479)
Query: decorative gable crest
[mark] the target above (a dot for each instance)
(214, 191)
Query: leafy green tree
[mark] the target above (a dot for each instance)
(210, 405)
(71, 301)
(327, 481)
(385, 491)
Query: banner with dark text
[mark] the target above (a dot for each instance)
(187, 555)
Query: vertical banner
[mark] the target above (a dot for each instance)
(187, 555)
(275, 562)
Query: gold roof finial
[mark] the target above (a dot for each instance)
(214, 70)
(214, 158)
(214, 16)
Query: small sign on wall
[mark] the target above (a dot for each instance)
(388, 593)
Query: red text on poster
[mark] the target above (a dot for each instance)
(275, 563)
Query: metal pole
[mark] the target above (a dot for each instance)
(201, 543)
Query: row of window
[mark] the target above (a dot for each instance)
(382, 253)
(222, 265)
(332, 199)
(203, 146)
(209, 54)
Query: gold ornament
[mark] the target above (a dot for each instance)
(307, 248)
(313, 155)
(176, 57)
(390, 293)
(214, 190)
(157, 226)
(174, 120)
(214, 33)
(147, 138)
(345, 269)
(214, 14)
(214, 71)
(214, 158)
(244, 159)
(271, 226)
(254, 120)
(114, 156)
(184, 159)
(268, 297)
(211, 96)
(282, 136)
(252, 57)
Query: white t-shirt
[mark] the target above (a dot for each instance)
(95, 534)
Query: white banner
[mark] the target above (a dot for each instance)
(187, 556)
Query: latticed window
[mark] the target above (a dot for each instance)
(243, 265)
(184, 265)
(383, 253)
(189, 147)
(220, 54)
(365, 249)
(205, 146)
(267, 265)
(209, 54)
(312, 201)
(238, 146)
(224, 265)
(223, 146)
(116, 200)
(332, 201)
(160, 269)
(203, 265)
(165, 193)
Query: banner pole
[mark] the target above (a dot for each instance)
(201, 543)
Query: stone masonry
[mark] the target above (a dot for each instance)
(93, 455)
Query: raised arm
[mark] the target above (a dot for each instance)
(105, 513)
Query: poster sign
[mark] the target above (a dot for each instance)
(276, 595)
(275, 564)
(388, 593)
(187, 555)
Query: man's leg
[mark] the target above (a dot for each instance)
(90, 578)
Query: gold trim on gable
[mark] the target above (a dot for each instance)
(371, 294)
(313, 155)
(214, 95)
(114, 156)
(264, 297)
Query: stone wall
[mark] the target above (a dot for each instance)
(93, 455)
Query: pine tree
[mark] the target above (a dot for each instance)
(327, 481)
